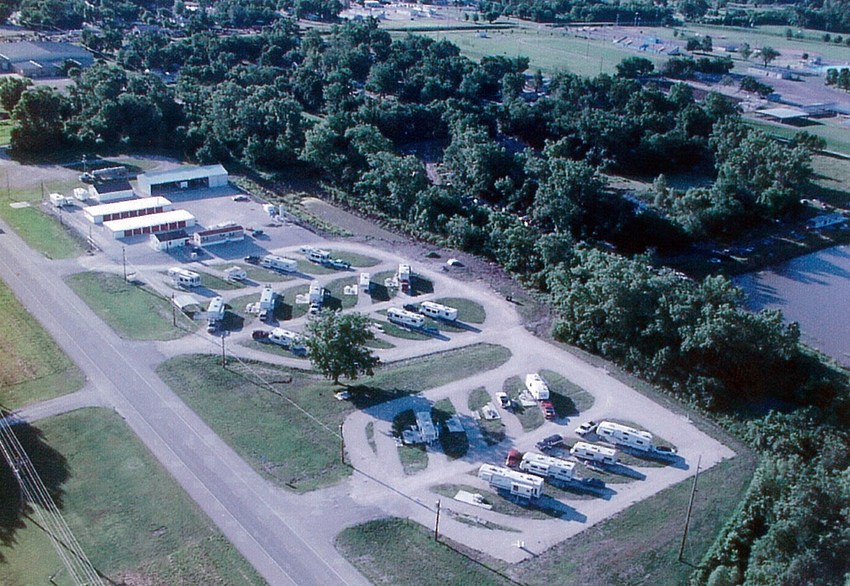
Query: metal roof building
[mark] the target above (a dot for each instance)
(111, 191)
(163, 241)
(163, 222)
(126, 209)
(221, 235)
(41, 58)
(183, 178)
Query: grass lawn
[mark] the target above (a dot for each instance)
(131, 518)
(468, 311)
(493, 430)
(218, 284)
(356, 260)
(336, 299)
(567, 398)
(312, 268)
(478, 398)
(403, 553)
(261, 275)
(272, 349)
(370, 436)
(133, 311)
(380, 292)
(33, 367)
(414, 458)
(395, 331)
(6, 132)
(530, 417)
(837, 138)
(379, 344)
(41, 231)
(282, 442)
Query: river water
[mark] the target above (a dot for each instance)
(813, 290)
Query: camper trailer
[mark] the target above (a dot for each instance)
(594, 453)
(516, 483)
(184, 278)
(438, 311)
(236, 274)
(279, 263)
(60, 201)
(215, 313)
(537, 387)
(317, 255)
(287, 339)
(625, 436)
(365, 283)
(547, 466)
(406, 318)
(403, 277)
(267, 299)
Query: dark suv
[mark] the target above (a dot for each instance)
(550, 442)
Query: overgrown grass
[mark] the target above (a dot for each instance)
(33, 368)
(530, 417)
(283, 442)
(133, 311)
(129, 515)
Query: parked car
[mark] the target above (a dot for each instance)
(550, 442)
(411, 307)
(315, 308)
(548, 410)
(513, 459)
(254, 260)
(504, 400)
(664, 451)
(257, 233)
(586, 428)
(260, 335)
(264, 315)
(241, 197)
(338, 263)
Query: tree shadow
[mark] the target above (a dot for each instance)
(50, 465)
(283, 311)
(420, 286)
(564, 406)
(379, 292)
(364, 396)
(332, 303)
(232, 322)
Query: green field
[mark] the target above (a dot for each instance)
(468, 311)
(218, 284)
(41, 231)
(567, 398)
(133, 311)
(336, 298)
(131, 518)
(261, 275)
(33, 367)
(356, 260)
(837, 138)
(283, 442)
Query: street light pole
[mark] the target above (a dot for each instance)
(124, 262)
(437, 524)
(341, 445)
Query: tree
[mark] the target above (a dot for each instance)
(768, 54)
(337, 347)
(746, 51)
(39, 122)
(10, 92)
(633, 67)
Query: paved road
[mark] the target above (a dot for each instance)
(257, 519)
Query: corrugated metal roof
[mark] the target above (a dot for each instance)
(148, 221)
(173, 235)
(126, 206)
(112, 186)
(181, 174)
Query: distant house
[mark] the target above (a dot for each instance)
(41, 58)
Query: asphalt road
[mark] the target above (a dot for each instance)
(240, 502)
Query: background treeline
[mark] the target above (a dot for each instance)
(516, 172)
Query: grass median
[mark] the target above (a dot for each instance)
(33, 367)
(131, 518)
(284, 421)
(41, 231)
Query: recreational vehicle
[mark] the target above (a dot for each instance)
(267, 299)
(287, 339)
(438, 311)
(184, 278)
(594, 453)
(516, 483)
(236, 274)
(365, 282)
(406, 318)
(547, 466)
(537, 387)
(623, 435)
(279, 263)
(215, 313)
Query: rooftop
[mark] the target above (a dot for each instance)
(169, 236)
(47, 51)
(182, 174)
(112, 186)
(127, 205)
(151, 220)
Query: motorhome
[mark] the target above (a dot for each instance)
(365, 282)
(287, 339)
(317, 255)
(236, 274)
(215, 313)
(537, 387)
(406, 318)
(438, 311)
(267, 299)
(184, 277)
(624, 435)
(594, 453)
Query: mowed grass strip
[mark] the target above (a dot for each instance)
(402, 553)
(133, 311)
(566, 397)
(468, 311)
(268, 426)
(131, 518)
(41, 231)
(33, 368)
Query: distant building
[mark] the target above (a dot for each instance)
(126, 209)
(165, 241)
(183, 178)
(111, 191)
(41, 58)
(163, 222)
(220, 235)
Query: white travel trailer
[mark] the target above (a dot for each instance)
(215, 313)
(279, 263)
(426, 427)
(60, 201)
(318, 255)
(267, 299)
(403, 277)
(236, 274)
(316, 294)
(517, 483)
(184, 278)
(547, 466)
(406, 318)
(287, 339)
(438, 311)
(365, 282)
(623, 435)
(537, 387)
(594, 453)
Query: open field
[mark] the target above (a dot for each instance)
(356, 260)
(837, 137)
(218, 284)
(261, 275)
(131, 518)
(637, 547)
(336, 298)
(283, 442)
(32, 368)
(133, 311)
(468, 311)
(41, 231)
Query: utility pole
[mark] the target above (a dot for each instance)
(690, 507)
(173, 312)
(341, 445)
(124, 262)
(223, 354)
(437, 524)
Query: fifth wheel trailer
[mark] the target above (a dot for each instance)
(616, 433)
(438, 311)
(517, 483)
(215, 313)
(594, 453)
(405, 318)
(184, 278)
(547, 466)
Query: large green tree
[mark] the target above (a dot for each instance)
(337, 347)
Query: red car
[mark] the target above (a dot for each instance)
(548, 410)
